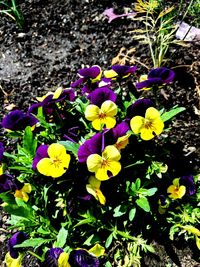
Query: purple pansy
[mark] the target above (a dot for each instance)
(49, 103)
(100, 95)
(17, 120)
(188, 182)
(87, 75)
(123, 70)
(51, 257)
(16, 239)
(91, 146)
(40, 154)
(6, 183)
(82, 258)
(2, 149)
(139, 107)
(157, 76)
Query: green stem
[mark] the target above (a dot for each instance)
(35, 255)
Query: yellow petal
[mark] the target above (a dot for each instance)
(136, 124)
(109, 122)
(152, 114)
(171, 189)
(182, 191)
(101, 197)
(109, 108)
(57, 93)
(91, 190)
(94, 162)
(114, 167)
(94, 182)
(97, 124)
(56, 150)
(41, 98)
(191, 229)
(1, 169)
(157, 126)
(146, 134)
(101, 174)
(63, 260)
(110, 74)
(10, 262)
(98, 77)
(97, 250)
(27, 188)
(111, 153)
(92, 112)
(47, 168)
(122, 142)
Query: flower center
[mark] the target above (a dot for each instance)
(56, 162)
(104, 163)
(102, 115)
(148, 124)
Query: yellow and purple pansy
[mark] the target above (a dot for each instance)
(157, 76)
(189, 183)
(56, 257)
(176, 191)
(105, 165)
(17, 120)
(23, 192)
(14, 258)
(51, 160)
(119, 71)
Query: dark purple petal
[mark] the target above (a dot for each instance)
(139, 107)
(6, 183)
(188, 182)
(81, 258)
(163, 200)
(165, 74)
(100, 95)
(123, 70)
(78, 82)
(105, 82)
(2, 149)
(40, 154)
(16, 239)
(92, 72)
(51, 257)
(91, 146)
(149, 83)
(17, 120)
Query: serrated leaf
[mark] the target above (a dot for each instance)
(33, 243)
(143, 203)
(61, 238)
(70, 146)
(170, 114)
(109, 240)
(132, 213)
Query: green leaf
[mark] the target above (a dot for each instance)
(119, 211)
(137, 183)
(143, 203)
(70, 146)
(108, 264)
(132, 213)
(170, 114)
(29, 144)
(33, 242)
(61, 238)
(151, 191)
(14, 209)
(109, 240)
(88, 240)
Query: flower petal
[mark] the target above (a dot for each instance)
(111, 153)
(157, 126)
(94, 162)
(114, 167)
(92, 112)
(109, 122)
(152, 114)
(109, 108)
(136, 124)
(56, 150)
(146, 134)
(110, 74)
(47, 168)
(97, 124)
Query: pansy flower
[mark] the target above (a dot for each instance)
(86, 258)
(54, 160)
(106, 165)
(7, 183)
(157, 76)
(120, 71)
(93, 188)
(103, 116)
(17, 120)
(139, 107)
(14, 258)
(188, 182)
(23, 192)
(147, 126)
(56, 257)
(88, 76)
(100, 95)
(176, 191)
(54, 101)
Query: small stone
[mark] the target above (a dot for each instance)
(21, 35)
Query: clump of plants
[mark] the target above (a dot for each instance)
(85, 175)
